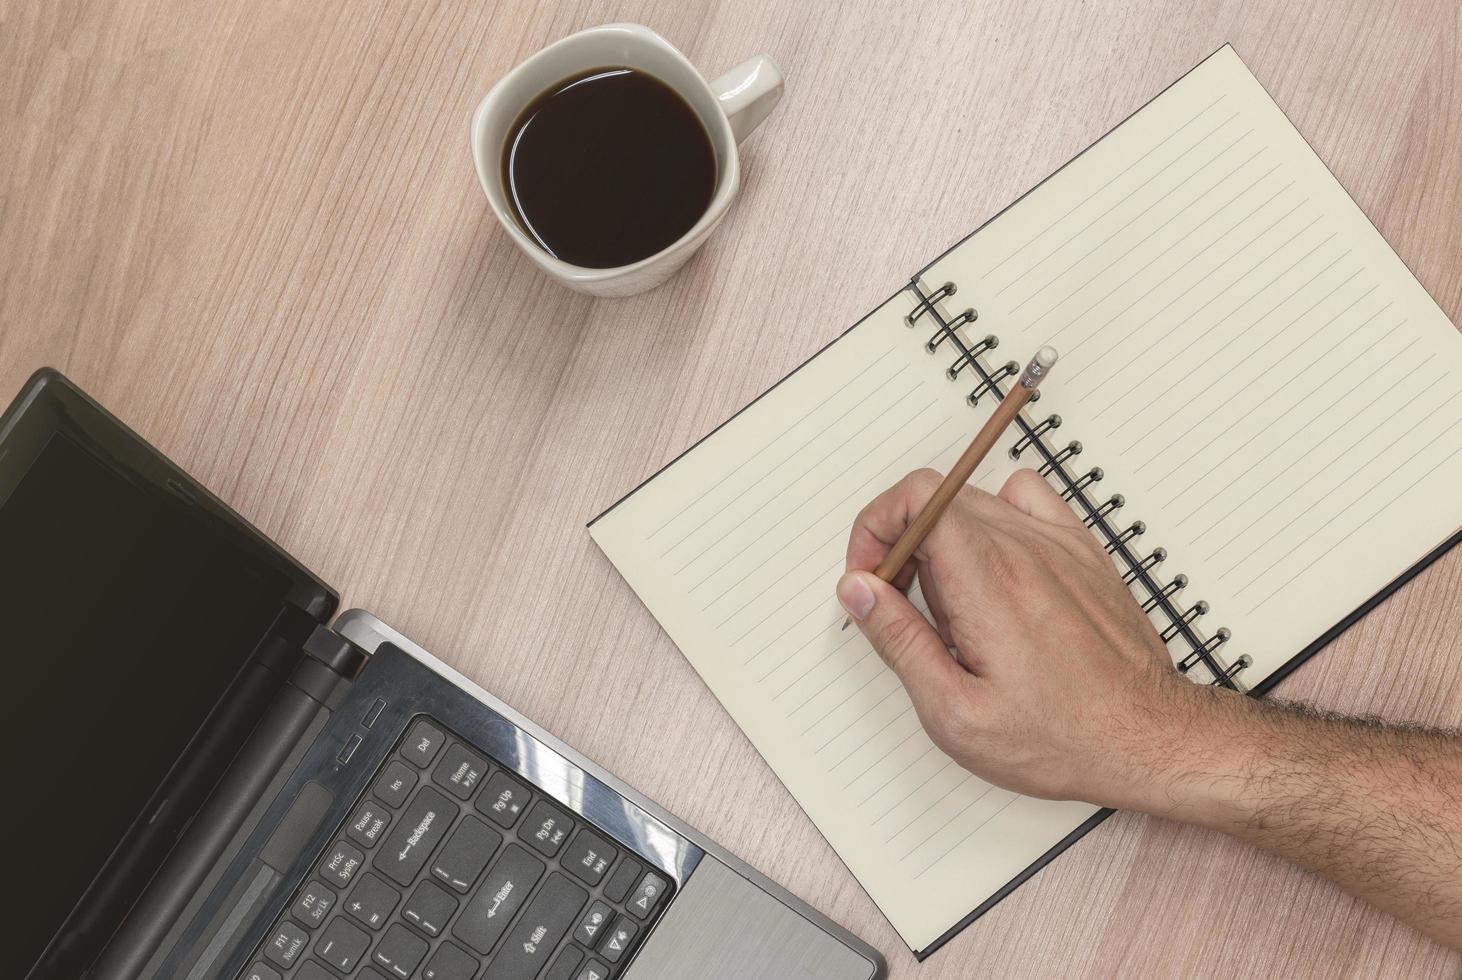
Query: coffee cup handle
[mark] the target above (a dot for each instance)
(748, 93)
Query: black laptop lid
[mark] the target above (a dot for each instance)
(144, 627)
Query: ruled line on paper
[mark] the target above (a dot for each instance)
(752, 457)
(840, 503)
(1127, 197)
(1334, 487)
(1178, 376)
(980, 795)
(1168, 414)
(1358, 526)
(1113, 264)
(1291, 550)
(1345, 393)
(1261, 373)
(972, 831)
(776, 468)
(1194, 284)
(1193, 228)
(756, 510)
(1121, 173)
(1323, 470)
(1315, 443)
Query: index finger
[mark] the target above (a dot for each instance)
(883, 520)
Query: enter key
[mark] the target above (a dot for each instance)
(499, 896)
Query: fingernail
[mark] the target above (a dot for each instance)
(855, 595)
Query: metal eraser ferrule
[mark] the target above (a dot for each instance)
(1038, 368)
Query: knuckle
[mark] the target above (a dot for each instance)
(1026, 478)
(924, 480)
(896, 641)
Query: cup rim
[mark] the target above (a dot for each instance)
(728, 175)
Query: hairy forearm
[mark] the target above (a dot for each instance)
(1375, 807)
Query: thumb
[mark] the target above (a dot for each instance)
(901, 635)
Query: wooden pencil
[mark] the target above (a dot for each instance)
(964, 467)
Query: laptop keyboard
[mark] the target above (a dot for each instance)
(451, 868)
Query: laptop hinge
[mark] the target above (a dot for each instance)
(319, 681)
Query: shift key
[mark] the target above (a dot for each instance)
(419, 831)
(535, 938)
(499, 896)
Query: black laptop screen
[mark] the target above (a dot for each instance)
(125, 619)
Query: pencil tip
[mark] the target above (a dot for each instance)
(846, 621)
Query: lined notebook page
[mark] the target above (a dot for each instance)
(1247, 361)
(737, 548)
(1245, 357)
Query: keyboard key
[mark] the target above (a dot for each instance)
(565, 965)
(459, 772)
(642, 903)
(314, 903)
(502, 892)
(546, 828)
(450, 963)
(536, 936)
(310, 970)
(593, 971)
(369, 973)
(342, 944)
(400, 952)
(625, 877)
(618, 940)
(503, 800)
(466, 853)
(423, 744)
(429, 908)
(261, 972)
(368, 824)
(588, 857)
(395, 783)
(423, 825)
(593, 924)
(341, 864)
(372, 901)
(286, 944)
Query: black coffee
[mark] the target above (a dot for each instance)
(608, 167)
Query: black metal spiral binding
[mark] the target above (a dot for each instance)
(1178, 584)
(1024, 442)
(989, 381)
(1073, 448)
(926, 302)
(960, 363)
(1137, 569)
(1073, 487)
(945, 330)
(1114, 503)
(1136, 528)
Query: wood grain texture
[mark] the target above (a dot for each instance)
(252, 230)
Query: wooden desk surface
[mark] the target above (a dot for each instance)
(252, 229)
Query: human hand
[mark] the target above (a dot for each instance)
(1060, 686)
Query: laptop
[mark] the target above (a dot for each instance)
(211, 775)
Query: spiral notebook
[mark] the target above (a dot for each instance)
(1258, 411)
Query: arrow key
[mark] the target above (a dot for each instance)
(592, 925)
(618, 940)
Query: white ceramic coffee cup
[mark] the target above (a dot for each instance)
(730, 108)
